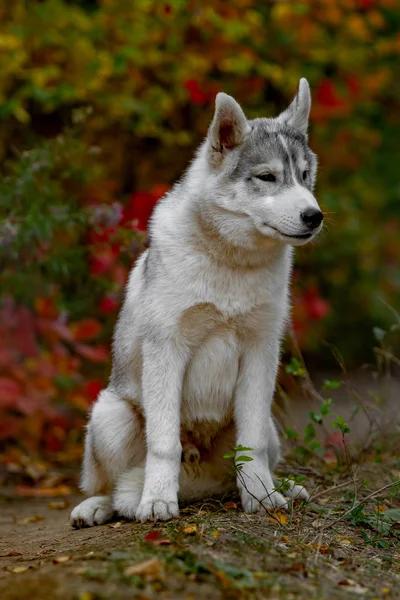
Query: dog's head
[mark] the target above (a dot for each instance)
(263, 172)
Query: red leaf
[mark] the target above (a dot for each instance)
(93, 353)
(326, 95)
(197, 95)
(86, 329)
(108, 304)
(139, 208)
(154, 537)
(93, 389)
(10, 391)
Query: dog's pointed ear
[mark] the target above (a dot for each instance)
(297, 113)
(229, 125)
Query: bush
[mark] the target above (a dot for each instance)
(101, 106)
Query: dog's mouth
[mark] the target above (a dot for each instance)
(300, 236)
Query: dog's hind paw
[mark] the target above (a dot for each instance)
(157, 510)
(93, 511)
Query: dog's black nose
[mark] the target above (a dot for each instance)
(312, 217)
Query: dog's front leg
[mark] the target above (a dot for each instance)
(253, 401)
(163, 370)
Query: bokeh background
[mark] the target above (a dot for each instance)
(102, 104)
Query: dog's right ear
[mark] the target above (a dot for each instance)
(228, 127)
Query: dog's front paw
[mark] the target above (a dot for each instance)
(297, 492)
(156, 510)
(93, 511)
(259, 502)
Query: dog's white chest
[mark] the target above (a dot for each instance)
(217, 343)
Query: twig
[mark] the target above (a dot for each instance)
(332, 489)
(385, 487)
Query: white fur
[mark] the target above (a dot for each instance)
(197, 345)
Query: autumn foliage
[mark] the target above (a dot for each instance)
(101, 106)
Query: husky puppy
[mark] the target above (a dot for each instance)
(197, 343)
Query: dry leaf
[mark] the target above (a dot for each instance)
(285, 539)
(21, 569)
(299, 567)
(58, 490)
(279, 517)
(322, 549)
(216, 533)
(152, 569)
(116, 525)
(190, 529)
(58, 504)
(230, 505)
(12, 553)
(59, 560)
(33, 519)
(355, 587)
(380, 508)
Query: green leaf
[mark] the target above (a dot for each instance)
(244, 458)
(331, 384)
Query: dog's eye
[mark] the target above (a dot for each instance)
(266, 177)
(305, 175)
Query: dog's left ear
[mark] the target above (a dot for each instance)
(229, 125)
(297, 113)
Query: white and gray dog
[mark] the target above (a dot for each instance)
(197, 344)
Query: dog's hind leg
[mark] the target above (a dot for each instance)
(114, 443)
(128, 492)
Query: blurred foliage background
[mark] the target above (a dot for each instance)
(102, 104)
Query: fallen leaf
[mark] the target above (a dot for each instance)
(322, 549)
(152, 569)
(355, 587)
(380, 508)
(116, 525)
(299, 567)
(21, 569)
(12, 553)
(279, 517)
(59, 490)
(59, 560)
(285, 539)
(216, 533)
(190, 529)
(231, 505)
(58, 504)
(33, 519)
(154, 537)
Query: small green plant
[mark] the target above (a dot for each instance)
(295, 368)
(341, 424)
(238, 461)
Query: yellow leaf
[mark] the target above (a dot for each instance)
(190, 529)
(33, 519)
(18, 570)
(58, 504)
(279, 517)
(216, 533)
(59, 560)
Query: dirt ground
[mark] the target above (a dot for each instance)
(212, 551)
